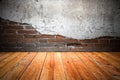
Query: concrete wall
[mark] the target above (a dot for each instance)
(79, 19)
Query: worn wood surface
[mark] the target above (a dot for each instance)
(60, 66)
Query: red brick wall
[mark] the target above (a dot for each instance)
(23, 37)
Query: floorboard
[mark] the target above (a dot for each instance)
(59, 65)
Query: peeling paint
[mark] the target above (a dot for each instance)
(79, 19)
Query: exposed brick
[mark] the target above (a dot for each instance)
(28, 40)
(44, 36)
(101, 45)
(26, 45)
(105, 41)
(29, 27)
(49, 45)
(60, 37)
(10, 31)
(3, 23)
(12, 36)
(9, 44)
(13, 27)
(71, 40)
(89, 45)
(115, 41)
(29, 35)
(89, 41)
(43, 40)
(74, 44)
(57, 40)
(8, 39)
(27, 32)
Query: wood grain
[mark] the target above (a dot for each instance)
(60, 66)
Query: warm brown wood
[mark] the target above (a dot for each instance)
(35, 68)
(59, 73)
(60, 66)
(19, 68)
(115, 72)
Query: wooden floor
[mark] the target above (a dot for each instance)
(60, 66)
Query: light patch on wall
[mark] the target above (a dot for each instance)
(79, 19)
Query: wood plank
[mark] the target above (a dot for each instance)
(2, 53)
(19, 68)
(8, 59)
(5, 55)
(10, 64)
(109, 59)
(48, 68)
(115, 56)
(107, 66)
(70, 69)
(59, 73)
(60, 66)
(81, 67)
(95, 69)
(34, 69)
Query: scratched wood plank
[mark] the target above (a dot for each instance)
(48, 68)
(8, 59)
(59, 72)
(113, 55)
(81, 67)
(109, 59)
(95, 69)
(71, 70)
(5, 55)
(60, 66)
(10, 64)
(115, 72)
(19, 68)
(34, 69)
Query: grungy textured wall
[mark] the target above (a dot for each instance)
(79, 19)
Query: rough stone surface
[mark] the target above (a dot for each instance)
(80, 19)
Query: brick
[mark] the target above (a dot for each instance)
(51, 49)
(60, 37)
(89, 41)
(12, 36)
(71, 40)
(29, 36)
(57, 40)
(106, 41)
(101, 45)
(27, 32)
(90, 45)
(26, 45)
(8, 40)
(3, 23)
(74, 44)
(10, 31)
(13, 27)
(49, 45)
(28, 40)
(44, 36)
(115, 41)
(9, 44)
(29, 27)
(43, 40)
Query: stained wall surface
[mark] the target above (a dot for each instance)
(79, 19)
